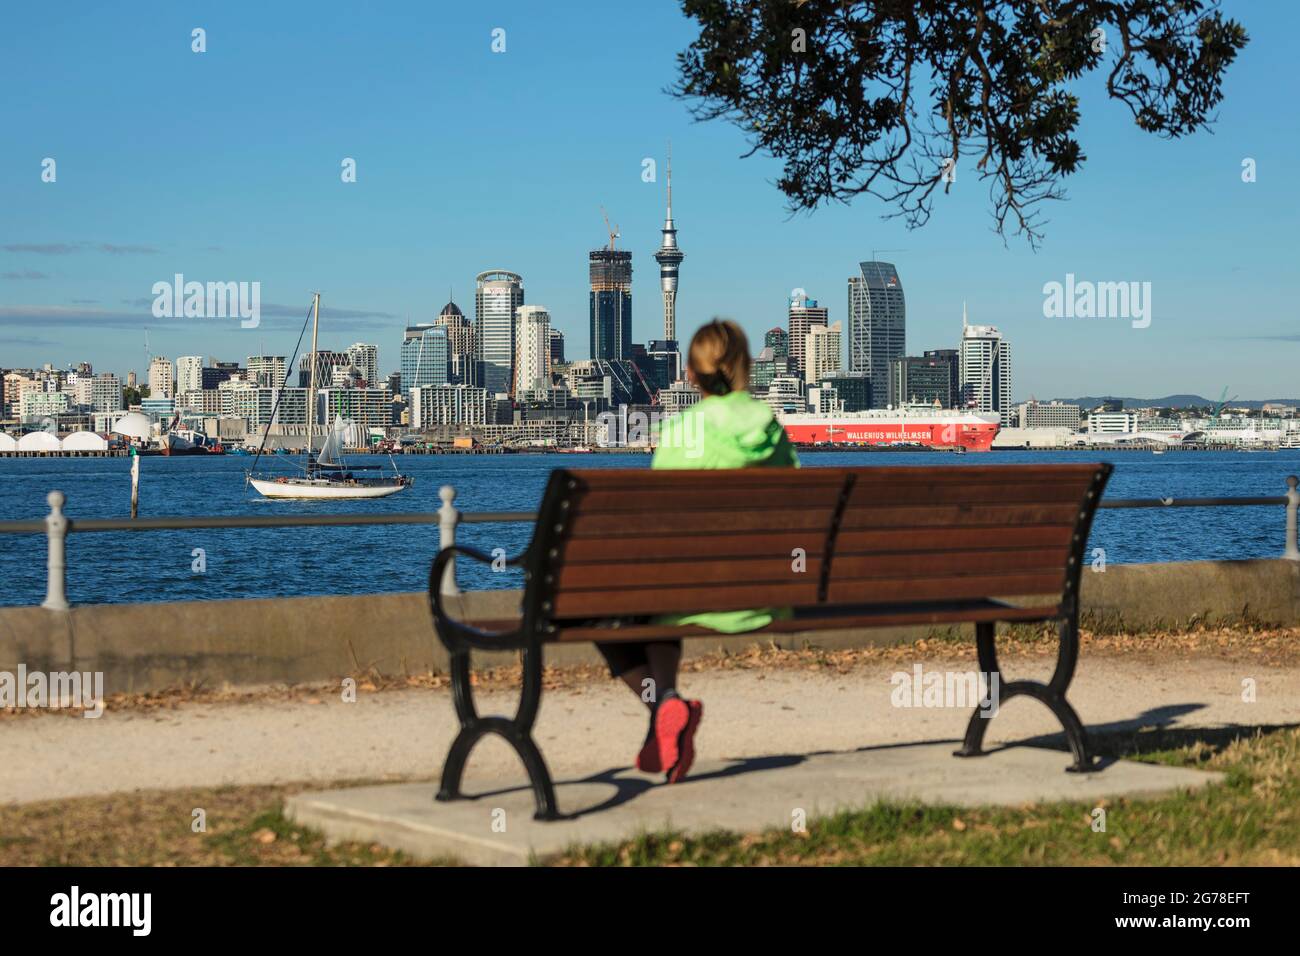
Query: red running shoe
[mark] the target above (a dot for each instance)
(648, 760)
(675, 726)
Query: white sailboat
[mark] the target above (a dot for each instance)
(327, 475)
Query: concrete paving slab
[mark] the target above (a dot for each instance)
(743, 795)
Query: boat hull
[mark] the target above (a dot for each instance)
(323, 489)
(957, 430)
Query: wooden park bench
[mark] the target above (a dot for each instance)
(842, 547)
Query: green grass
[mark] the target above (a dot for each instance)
(1252, 817)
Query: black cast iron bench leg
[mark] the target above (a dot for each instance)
(1051, 694)
(517, 731)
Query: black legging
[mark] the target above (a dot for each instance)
(623, 656)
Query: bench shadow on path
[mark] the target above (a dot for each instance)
(1152, 730)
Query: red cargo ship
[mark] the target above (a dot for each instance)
(921, 426)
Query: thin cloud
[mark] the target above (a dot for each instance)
(68, 248)
(28, 274)
(41, 249)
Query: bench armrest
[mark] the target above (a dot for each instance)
(457, 632)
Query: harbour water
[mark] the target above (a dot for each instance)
(245, 563)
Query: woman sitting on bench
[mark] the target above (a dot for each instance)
(728, 428)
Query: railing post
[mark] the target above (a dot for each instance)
(56, 533)
(1292, 551)
(450, 517)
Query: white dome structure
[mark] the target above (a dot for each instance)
(39, 441)
(133, 425)
(7, 442)
(85, 441)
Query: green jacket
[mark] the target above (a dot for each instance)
(725, 431)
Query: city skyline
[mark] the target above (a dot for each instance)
(79, 256)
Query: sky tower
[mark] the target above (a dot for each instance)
(669, 258)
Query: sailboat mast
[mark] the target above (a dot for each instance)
(311, 378)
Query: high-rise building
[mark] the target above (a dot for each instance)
(326, 360)
(823, 348)
(533, 350)
(557, 347)
(877, 323)
(1034, 414)
(424, 356)
(189, 373)
(669, 258)
(496, 297)
(462, 362)
(366, 358)
(267, 370)
(952, 359)
(611, 303)
(162, 380)
(778, 340)
(448, 405)
(922, 381)
(106, 393)
(985, 369)
(804, 314)
(852, 390)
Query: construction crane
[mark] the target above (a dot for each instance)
(1223, 400)
(613, 231)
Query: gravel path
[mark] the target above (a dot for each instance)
(589, 728)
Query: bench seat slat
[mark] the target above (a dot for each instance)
(884, 616)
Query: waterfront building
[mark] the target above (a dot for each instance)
(824, 400)
(985, 369)
(1111, 423)
(877, 322)
(162, 380)
(557, 347)
(1048, 415)
(804, 314)
(35, 404)
(424, 356)
(368, 407)
(435, 405)
(497, 295)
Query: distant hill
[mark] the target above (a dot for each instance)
(1173, 401)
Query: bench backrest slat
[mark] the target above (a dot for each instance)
(619, 542)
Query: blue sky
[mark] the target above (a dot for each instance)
(225, 166)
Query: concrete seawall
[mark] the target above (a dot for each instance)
(148, 647)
